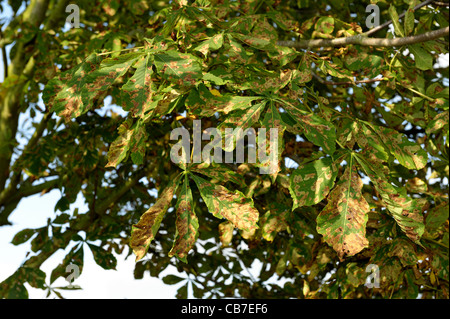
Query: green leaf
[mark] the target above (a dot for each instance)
(212, 44)
(406, 211)
(310, 183)
(67, 94)
(172, 279)
(275, 220)
(203, 103)
(23, 236)
(226, 233)
(179, 68)
(423, 60)
(75, 256)
(396, 22)
(138, 91)
(409, 20)
(222, 203)
(145, 230)
(103, 258)
(131, 139)
(409, 154)
(316, 129)
(186, 223)
(217, 172)
(343, 221)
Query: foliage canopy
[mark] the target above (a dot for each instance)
(362, 172)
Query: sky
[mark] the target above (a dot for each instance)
(96, 282)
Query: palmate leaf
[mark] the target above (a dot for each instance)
(310, 183)
(343, 221)
(132, 138)
(186, 223)
(222, 203)
(406, 211)
(145, 230)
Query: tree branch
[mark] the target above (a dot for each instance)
(346, 82)
(364, 41)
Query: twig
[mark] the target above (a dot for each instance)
(364, 41)
(346, 83)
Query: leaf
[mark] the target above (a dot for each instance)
(138, 91)
(186, 223)
(275, 220)
(226, 233)
(317, 130)
(423, 60)
(406, 211)
(396, 21)
(172, 279)
(203, 103)
(371, 143)
(72, 98)
(217, 172)
(409, 154)
(222, 203)
(310, 183)
(436, 217)
(145, 230)
(409, 20)
(179, 68)
(75, 256)
(269, 156)
(212, 44)
(132, 138)
(103, 258)
(23, 236)
(343, 221)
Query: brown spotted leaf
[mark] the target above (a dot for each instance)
(226, 233)
(67, 94)
(310, 183)
(218, 172)
(131, 139)
(406, 211)
(182, 69)
(222, 203)
(343, 221)
(138, 92)
(145, 230)
(202, 102)
(186, 223)
(275, 220)
(409, 154)
(316, 129)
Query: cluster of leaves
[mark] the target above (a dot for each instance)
(360, 192)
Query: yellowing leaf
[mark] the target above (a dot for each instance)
(186, 223)
(222, 203)
(145, 230)
(343, 221)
